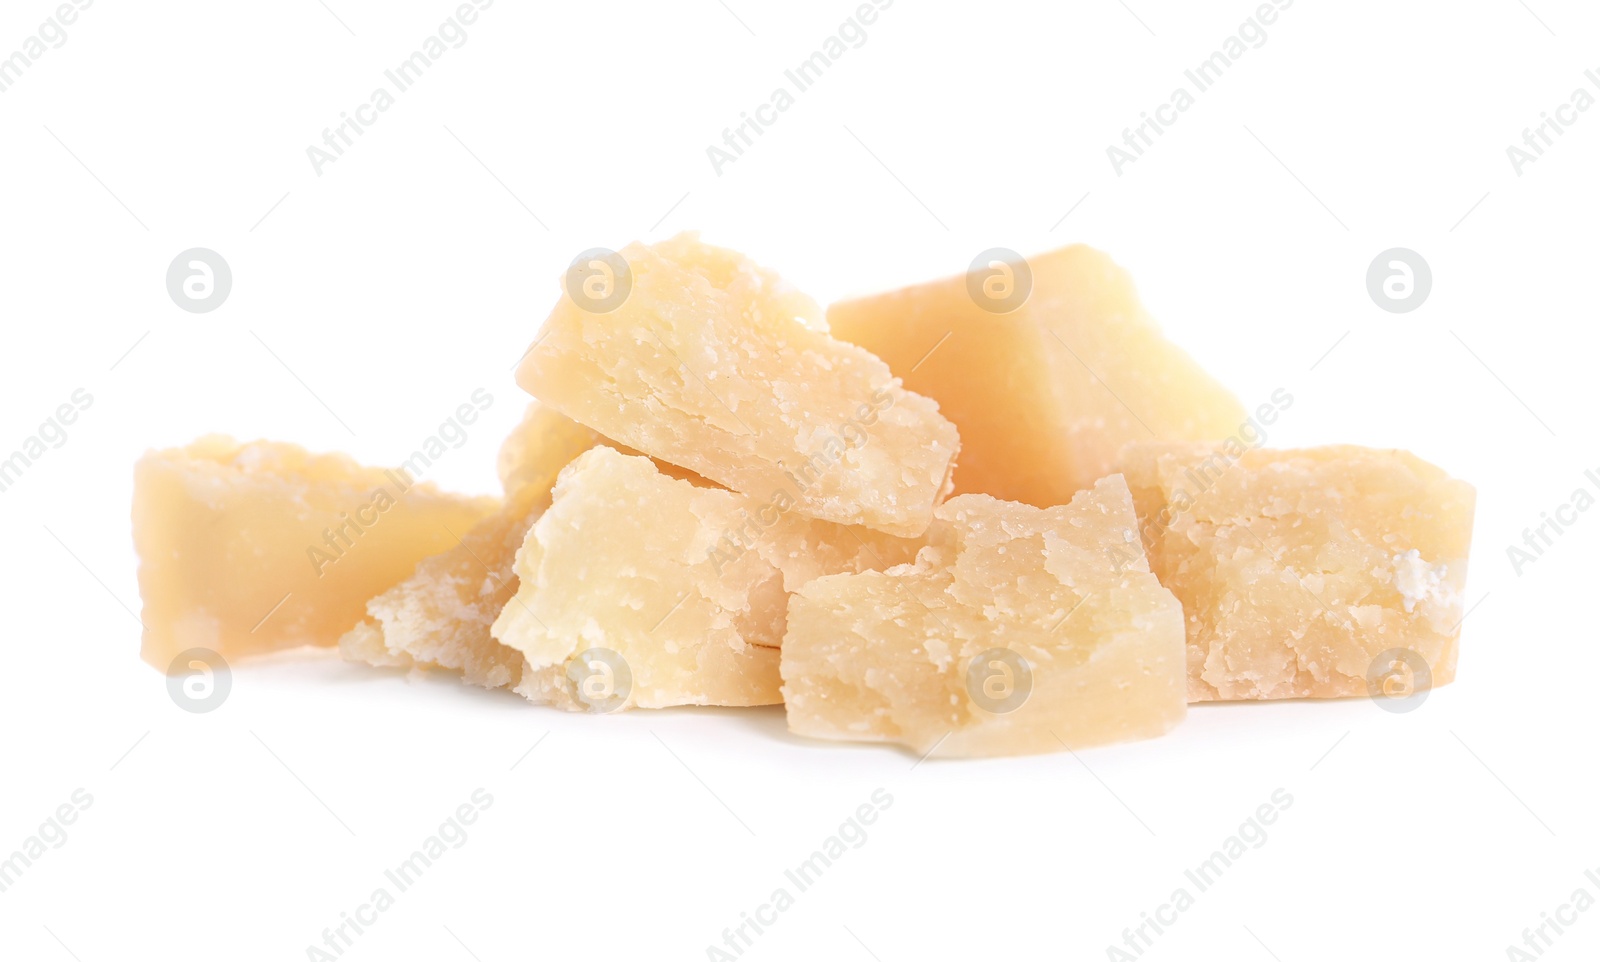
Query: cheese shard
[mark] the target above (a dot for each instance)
(1299, 569)
(543, 443)
(682, 590)
(439, 618)
(1045, 396)
(717, 365)
(1017, 630)
(250, 548)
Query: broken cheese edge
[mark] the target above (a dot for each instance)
(251, 548)
(1298, 569)
(715, 364)
(544, 442)
(687, 586)
(1045, 395)
(439, 618)
(895, 655)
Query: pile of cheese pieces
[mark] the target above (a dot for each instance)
(923, 519)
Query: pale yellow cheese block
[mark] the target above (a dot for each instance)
(250, 548)
(1093, 647)
(715, 364)
(1298, 569)
(685, 586)
(441, 615)
(1046, 395)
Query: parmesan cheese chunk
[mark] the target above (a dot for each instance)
(1306, 574)
(250, 548)
(441, 615)
(715, 364)
(640, 590)
(1017, 630)
(1048, 368)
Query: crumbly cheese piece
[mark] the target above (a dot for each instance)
(1299, 569)
(441, 615)
(641, 590)
(1017, 630)
(1046, 393)
(543, 443)
(715, 364)
(251, 548)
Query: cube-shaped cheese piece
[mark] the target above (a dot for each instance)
(1017, 630)
(1047, 370)
(250, 548)
(714, 364)
(1299, 569)
(676, 592)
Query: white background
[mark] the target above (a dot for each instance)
(416, 268)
